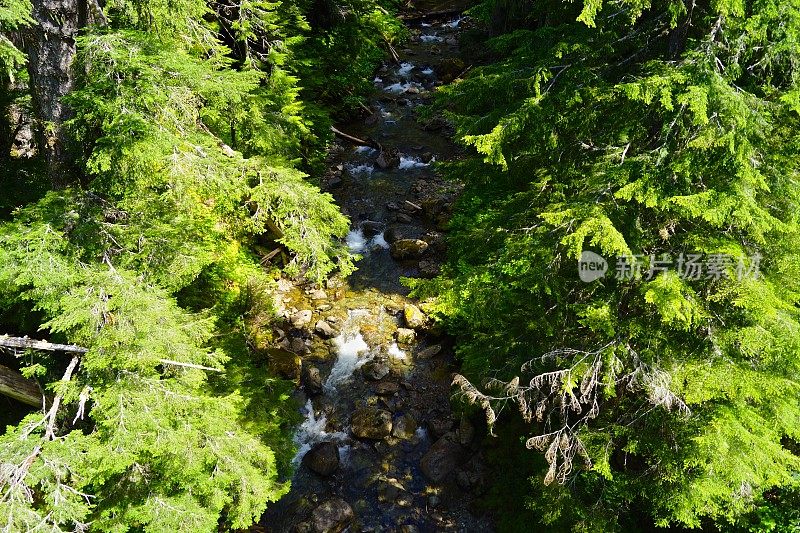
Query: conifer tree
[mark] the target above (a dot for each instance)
(625, 128)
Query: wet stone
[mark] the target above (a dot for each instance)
(405, 335)
(408, 248)
(371, 423)
(430, 351)
(312, 381)
(324, 329)
(323, 458)
(333, 516)
(386, 388)
(404, 427)
(375, 370)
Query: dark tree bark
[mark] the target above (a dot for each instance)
(51, 51)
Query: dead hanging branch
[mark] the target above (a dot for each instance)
(355, 140)
(565, 400)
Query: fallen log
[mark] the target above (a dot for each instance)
(16, 386)
(356, 140)
(411, 17)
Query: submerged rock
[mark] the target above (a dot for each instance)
(404, 427)
(408, 248)
(371, 423)
(323, 458)
(430, 351)
(332, 516)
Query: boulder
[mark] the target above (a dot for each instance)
(285, 363)
(414, 318)
(299, 346)
(370, 228)
(388, 158)
(324, 329)
(312, 381)
(332, 516)
(445, 455)
(301, 319)
(430, 351)
(375, 370)
(393, 234)
(323, 458)
(405, 335)
(371, 423)
(408, 248)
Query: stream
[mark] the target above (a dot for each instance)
(379, 448)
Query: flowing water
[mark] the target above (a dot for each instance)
(370, 362)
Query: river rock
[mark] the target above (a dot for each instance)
(408, 248)
(375, 370)
(389, 490)
(323, 458)
(428, 269)
(414, 318)
(312, 381)
(405, 335)
(324, 329)
(386, 388)
(285, 363)
(334, 181)
(430, 351)
(404, 427)
(318, 294)
(299, 346)
(388, 158)
(393, 234)
(371, 228)
(301, 318)
(332, 516)
(371, 423)
(444, 456)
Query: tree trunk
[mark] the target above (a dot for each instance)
(24, 390)
(51, 51)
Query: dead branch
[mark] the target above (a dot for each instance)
(356, 140)
(24, 343)
(49, 433)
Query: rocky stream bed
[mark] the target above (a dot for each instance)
(379, 447)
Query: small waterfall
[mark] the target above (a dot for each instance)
(350, 357)
(312, 431)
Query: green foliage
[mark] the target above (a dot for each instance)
(14, 14)
(193, 134)
(661, 131)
